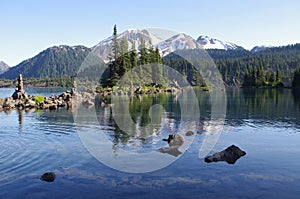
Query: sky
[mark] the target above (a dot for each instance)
(28, 27)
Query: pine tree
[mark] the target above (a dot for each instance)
(124, 57)
(133, 56)
(296, 79)
(143, 53)
(278, 76)
(114, 69)
(158, 59)
(260, 78)
(115, 44)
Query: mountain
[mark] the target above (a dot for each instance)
(260, 48)
(103, 48)
(210, 43)
(177, 42)
(3, 67)
(166, 46)
(55, 61)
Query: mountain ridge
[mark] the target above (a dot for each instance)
(63, 60)
(3, 67)
(56, 61)
(166, 45)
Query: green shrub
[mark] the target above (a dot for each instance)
(38, 99)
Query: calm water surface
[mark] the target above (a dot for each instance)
(264, 123)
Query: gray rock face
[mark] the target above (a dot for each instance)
(230, 155)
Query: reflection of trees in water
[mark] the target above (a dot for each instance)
(148, 113)
(266, 104)
(261, 105)
(296, 95)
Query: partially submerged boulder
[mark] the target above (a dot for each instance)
(48, 177)
(230, 155)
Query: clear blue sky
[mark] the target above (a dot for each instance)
(30, 26)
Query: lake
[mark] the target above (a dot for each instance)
(91, 158)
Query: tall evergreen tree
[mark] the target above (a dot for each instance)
(133, 56)
(158, 59)
(296, 79)
(125, 64)
(278, 75)
(143, 53)
(114, 67)
(115, 43)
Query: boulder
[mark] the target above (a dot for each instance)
(8, 103)
(30, 103)
(230, 155)
(48, 177)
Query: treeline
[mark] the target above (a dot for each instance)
(272, 67)
(122, 59)
(62, 82)
(259, 68)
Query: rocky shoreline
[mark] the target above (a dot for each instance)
(21, 101)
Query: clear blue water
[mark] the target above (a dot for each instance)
(264, 123)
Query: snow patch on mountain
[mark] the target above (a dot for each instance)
(133, 36)
(177, 42)
(209, 43)
(166, 45)
(260, 48)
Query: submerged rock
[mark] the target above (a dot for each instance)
(189, 133)
(175, 141)
(230, 155)
(48, 177)
(170, 150)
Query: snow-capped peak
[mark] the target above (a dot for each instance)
(132, 36)
(164, 44)
(177, 42)
(209, 43)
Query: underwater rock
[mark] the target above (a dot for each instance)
(189, 133)
(174, 140)
(170, 150)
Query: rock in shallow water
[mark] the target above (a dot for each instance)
(174, 140)
(48, 177)
(230, 155)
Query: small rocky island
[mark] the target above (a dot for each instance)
(20, 100)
